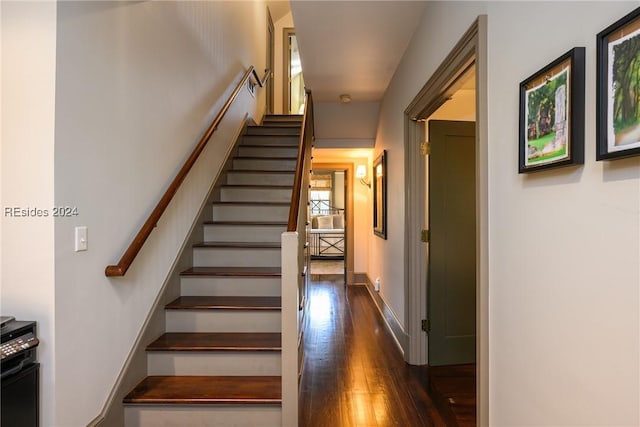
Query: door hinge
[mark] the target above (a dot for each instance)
(425, 236)
(425, 148)
(426, 325)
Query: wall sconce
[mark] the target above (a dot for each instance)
(361, 173)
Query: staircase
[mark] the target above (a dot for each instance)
(219, 362)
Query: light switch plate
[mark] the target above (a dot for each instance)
(81, 239)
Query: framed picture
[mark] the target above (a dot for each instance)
(618, 90)
(380, 195)
(552, 115)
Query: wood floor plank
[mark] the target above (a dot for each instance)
(354, 373)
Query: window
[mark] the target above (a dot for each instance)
(320, 202)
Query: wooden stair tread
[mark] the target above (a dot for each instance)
(207, 390)
(233, 271)
(281, 124)
(289, 117)
(275, 124)
(265, 158)
(256, 171)
(217, 341)
(225, 303)
(286, 140)
(270, 145)
(254, 203)
(259, 186)
(247, 223)
(239, 245)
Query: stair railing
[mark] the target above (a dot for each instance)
(294, 262)
(138, 241)
(303, 166)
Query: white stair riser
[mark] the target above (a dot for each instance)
(266, 151)
(254, 194)
(203, 416)
(264, 164)
(243, 233)
(223, 320)
(250, 213)
(214, 363)
(230, 286)
(264, 178)
(236, 257)
(274, 130)
(271, 140)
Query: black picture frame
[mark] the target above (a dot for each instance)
(617, 129)
(380, 195)
(552, 110)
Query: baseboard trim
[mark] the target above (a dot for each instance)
(397, 331)
(358, 279)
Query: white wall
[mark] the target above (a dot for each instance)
(338, 189)
(350, 125)
(565, 298)
(135, 86)
(28, 99)
(564, 245)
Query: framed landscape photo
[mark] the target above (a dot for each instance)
(618, 89)
(552, 115)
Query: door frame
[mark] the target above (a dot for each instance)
(286, 68)
(472, 48)
(348, 169)
(271, 46)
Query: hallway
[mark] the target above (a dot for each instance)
(354, 374)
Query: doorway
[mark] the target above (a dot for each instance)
(327, 202)
(471, 51)
(451, 265)
(342, 188)
(294, 94)
(271, 43)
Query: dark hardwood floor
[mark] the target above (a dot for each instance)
(354, 374)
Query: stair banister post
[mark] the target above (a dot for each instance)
(290, 327)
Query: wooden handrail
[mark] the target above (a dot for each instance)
(129, 255)
(305, 136)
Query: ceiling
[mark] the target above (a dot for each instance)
(352, 47)
(278, 9)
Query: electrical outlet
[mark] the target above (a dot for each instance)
(376, 285)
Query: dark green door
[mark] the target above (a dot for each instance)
(451, 285)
